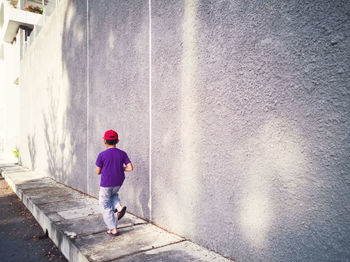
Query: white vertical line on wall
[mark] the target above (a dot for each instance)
(87, 95)
(150, 104)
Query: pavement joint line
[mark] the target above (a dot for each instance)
(48, 202)
(77, 190)
(141, 218)
(101, 231)
(146, 250)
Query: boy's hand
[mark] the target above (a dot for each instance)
(128, 168)
(98, 170)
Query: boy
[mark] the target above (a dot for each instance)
(111, 165)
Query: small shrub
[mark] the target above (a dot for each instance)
(16, 153)
(34, 9)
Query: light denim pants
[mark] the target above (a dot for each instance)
(108, 200)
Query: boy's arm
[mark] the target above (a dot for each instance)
(128, 167)
(99, 164)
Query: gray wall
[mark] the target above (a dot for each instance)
(250, 106)
(118, 92)
(53, 98)
(246, 148)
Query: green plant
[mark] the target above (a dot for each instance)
(34, 9)
(16, 152)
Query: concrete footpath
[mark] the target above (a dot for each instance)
(74, 223)
(21, 237)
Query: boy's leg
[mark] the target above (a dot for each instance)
(116, 203)
(115, 199)
(107, 208)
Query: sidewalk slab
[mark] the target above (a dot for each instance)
(74, 222)
(101, 247)
(92, 224)
(183, 251)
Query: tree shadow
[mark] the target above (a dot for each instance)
(65, 118)
(55, 139)
(32, 147)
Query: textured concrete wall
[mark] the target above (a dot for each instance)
(118, 92)
(250, 117)
(53, 97)
(84, 91)
(250, 113)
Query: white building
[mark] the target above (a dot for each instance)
(18, 28)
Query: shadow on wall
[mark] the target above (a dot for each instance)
(59, 163)
(65, 119)
(32, 150)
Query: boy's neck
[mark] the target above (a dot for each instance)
(110, 146)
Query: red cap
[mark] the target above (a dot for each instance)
(110, 135)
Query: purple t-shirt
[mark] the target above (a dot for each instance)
(111, 162)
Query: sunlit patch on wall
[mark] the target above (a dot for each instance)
(166, 138)
(185, 189)
(189, 128)
(111, 40)
(70, 14)
(276, 153)
(79, 33)
(255, 217)
(71, 23)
